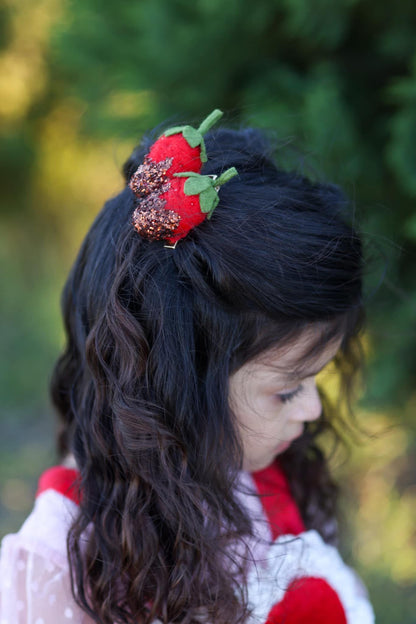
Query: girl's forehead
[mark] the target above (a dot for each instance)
(303, 357)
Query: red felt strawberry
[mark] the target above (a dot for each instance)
(185, 145)
(187, 199)
(174, 197)
(308, 600)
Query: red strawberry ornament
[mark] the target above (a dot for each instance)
(189, 199)
(173, 196)
(185, 145)
(196, 199)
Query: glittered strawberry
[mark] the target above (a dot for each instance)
(184, 145)
(189, 199)
(173, 196)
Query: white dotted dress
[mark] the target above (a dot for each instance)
(297, 578)
(34, 573)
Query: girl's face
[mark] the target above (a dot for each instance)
(272, 397)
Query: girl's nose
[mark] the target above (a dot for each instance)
(311, 406)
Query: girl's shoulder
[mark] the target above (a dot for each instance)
(298, 577)
(56, 504)
(296, 573)
(45, 529)
(34, 573)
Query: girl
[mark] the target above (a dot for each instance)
(192, 487)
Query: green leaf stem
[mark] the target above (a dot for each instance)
(206, 187)
(193, 136)
(210, 121)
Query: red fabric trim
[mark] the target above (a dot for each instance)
(62, 480)
(280, 508)
(308, 600)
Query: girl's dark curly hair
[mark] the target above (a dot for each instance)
(142, 387)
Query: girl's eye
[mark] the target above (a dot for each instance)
(285, 397)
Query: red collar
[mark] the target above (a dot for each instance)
(61, 479)
(271, 483)
(278, 504)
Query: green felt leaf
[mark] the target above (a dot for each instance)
(203, 154)
(193, 137)
(174, 130)
(208, 201)
(186, 174)
(196, 185)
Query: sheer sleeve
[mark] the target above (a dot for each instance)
(35, 589)
(35, 585)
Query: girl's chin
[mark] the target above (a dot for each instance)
(257, 465)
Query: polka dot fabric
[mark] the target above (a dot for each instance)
(34, 574)
(297, 578)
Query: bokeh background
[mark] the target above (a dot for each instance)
(81, 80)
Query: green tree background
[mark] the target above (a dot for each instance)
(81, 81)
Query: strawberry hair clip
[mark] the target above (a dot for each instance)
(173, 197)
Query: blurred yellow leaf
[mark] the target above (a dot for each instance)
(23, 64)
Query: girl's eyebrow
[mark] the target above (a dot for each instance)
(300, 373)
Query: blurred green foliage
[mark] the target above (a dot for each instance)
(81, 81)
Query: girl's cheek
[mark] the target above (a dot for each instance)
(273, 410)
